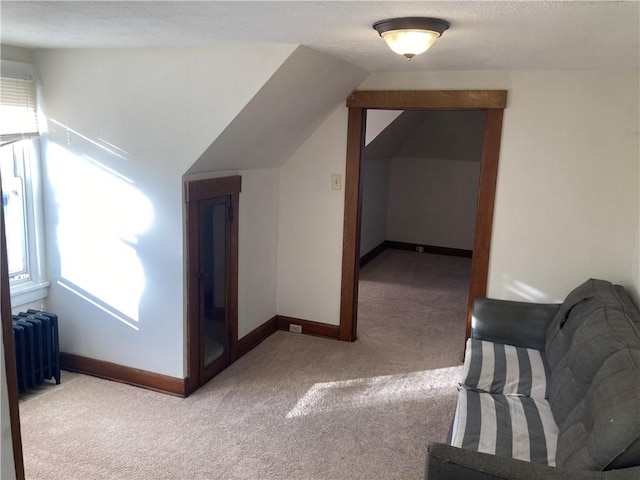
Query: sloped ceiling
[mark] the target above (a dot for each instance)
(282, 115)
(377, 122)
(389, 141)
(450, 135)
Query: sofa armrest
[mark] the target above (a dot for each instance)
(514, 323)
(445, 462)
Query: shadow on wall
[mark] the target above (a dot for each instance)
(97, 217)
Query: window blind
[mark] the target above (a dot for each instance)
(18, 112)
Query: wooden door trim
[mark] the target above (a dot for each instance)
(493, 102)
(232, 285)
(212, 188)
(9, 354)
(484, 211)
(351, 229)
(120, 373)
(194, 192)
(428, 99)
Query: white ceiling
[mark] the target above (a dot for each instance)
(483, 35)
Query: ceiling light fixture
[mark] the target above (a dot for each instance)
(410, 36)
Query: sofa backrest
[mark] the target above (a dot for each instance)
(577, 306)
(592, 343)
(603, 431)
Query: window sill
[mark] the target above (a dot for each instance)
(31, 292)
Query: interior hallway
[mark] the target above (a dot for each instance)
(415, 300)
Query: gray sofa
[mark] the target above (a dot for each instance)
(548, 391)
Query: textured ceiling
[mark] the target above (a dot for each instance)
(483, 35)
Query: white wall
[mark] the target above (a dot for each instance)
(310, 225)
(567, 196)
(17, 54)
(257, 245)
(36, 305)
(257, 249)
(375, 199)
(434, 176)
(123, 127)
(432, 201)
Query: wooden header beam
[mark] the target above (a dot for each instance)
(428, 99)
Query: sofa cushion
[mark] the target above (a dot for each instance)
(603, 430)
(498, 368)
(507, 426)
(597, 320)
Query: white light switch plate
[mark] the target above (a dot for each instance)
(336, 182)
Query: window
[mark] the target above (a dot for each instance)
(18, 113)
(13, 202)
(20, 174)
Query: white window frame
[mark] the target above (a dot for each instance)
(37, 286)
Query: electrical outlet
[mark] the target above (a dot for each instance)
(336, 182)
(295, 328)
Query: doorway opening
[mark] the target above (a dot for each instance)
(212, 277)
(420, 173)
(492, 103)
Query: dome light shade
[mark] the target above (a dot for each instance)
(410, 36)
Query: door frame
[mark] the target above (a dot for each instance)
(493, 102)
(195, 191)
(9, 354)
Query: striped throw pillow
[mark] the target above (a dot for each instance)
(516, 427)
(498, 368)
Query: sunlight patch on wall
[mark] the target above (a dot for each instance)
(527, 292)
(369, 392)
(106, 146)
(101, 216)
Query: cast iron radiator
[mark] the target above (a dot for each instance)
(37, 348)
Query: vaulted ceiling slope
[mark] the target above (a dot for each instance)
(282, 115)
(450, 135)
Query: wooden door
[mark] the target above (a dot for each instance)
(213, 306)
(212, 279)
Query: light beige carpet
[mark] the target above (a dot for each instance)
(295, 407)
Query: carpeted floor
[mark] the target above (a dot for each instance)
(295, 407)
